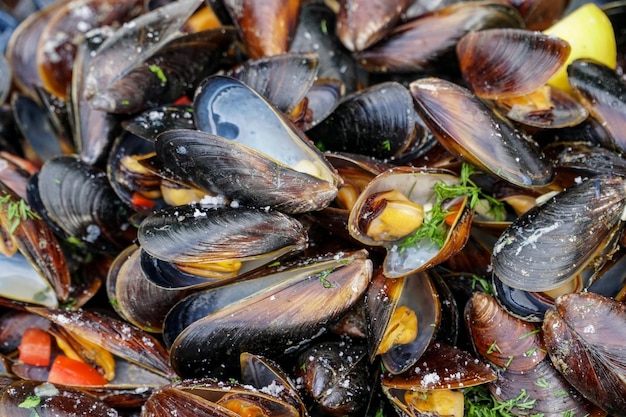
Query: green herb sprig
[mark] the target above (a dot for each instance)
(434, 230)
(480, 403)
(17, 210)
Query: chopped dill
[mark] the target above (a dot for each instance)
(479, 402)
(386, 145)
(323, 277)
(159, 73)
(434, 229)
(486, 285)
(530, 333)
(17, 210)
(493, 348)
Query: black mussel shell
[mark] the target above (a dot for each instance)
(283, 80)
(80, 201)
(302, 306)
(227, 167)
(551, 243)
(379, 121)
(164, 77)
(194, 233)
(603, 92)
(151, 123)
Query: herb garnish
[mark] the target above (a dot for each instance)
(433, 229)
(323, 278)
(16, 211)
(159, 73)
(480, 403)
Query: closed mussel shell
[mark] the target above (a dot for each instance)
(194, 233)
(551, 243)
(379, 121)
(273, 321)
(469, 130)
(506, 341)
(603, 91)
(586, 341)
(79, 199)
(282, 79)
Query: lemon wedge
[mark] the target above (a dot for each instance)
(590, 35)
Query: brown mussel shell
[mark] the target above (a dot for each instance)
(265, 27)
(551, 243)
(362, 23)
(469, 130)
(421, 43)
(417, 186)
(585, 338)
(126, 285)
(440, 367)
(116, 336)
(303, 305)
(502, 63)
(504, 340)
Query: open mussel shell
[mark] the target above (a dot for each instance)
(547, 107)
(197, 234)
(585, 339)
(417, 186)
(502, 63)
(80, 201)
(469, 130)
(38, 244)
(441, 367)
(223, 106)
(210, 398)
(436, 35)
(379, 121)
(551, 243)
(603, 91)
(283, 80)
(303, 303)
(126, 283)
(362, 23)
(152, 122)
(134, 184)
(113, 335)
(21, 283)
(414, 294)
(266, 375)
(53, 400)
(219, 165)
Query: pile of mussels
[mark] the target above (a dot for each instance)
(303, 208)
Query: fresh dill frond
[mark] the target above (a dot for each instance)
(479, 402)
(16, 210)
(433, 230)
